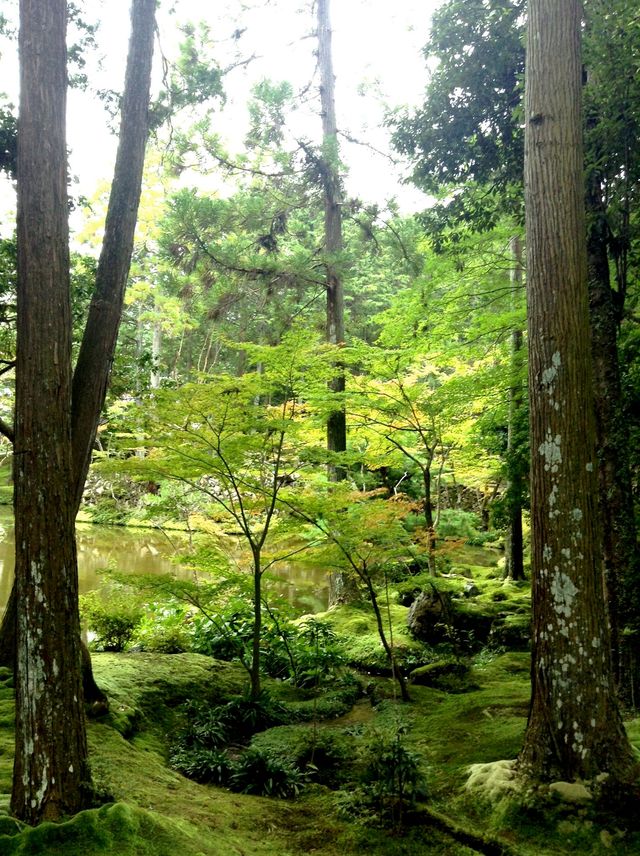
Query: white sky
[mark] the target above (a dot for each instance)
(376, 43)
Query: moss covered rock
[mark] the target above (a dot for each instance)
(444, 675)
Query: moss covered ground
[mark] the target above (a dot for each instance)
(152, 810)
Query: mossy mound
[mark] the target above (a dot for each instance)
(356, 625)
(451, 676)
(122, 829)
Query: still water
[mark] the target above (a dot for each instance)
(149, 551)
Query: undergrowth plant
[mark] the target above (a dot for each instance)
(391, 779)
(111, 616)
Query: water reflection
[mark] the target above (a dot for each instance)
(147, 551)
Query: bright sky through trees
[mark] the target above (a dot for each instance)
(377, 58)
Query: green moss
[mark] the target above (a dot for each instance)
(633, 730)
(356, 625)
(159, 812)
(6, 731)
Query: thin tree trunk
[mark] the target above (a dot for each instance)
(574, 728)
(91, 375)
(428, 520)
(396, 671)
(333, 244)
(514, 546)
(257, 625)
(156, 347)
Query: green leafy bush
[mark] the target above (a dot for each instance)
(246, 716)
(304, 653)
(456, 523)
(199, 753)
(207, 766)
(390, 781)
(113, 615)
(164, 629)
(261, 773)
(324, 754)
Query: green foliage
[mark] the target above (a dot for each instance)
(468, 131)
(196, 77)
(456, 523)
(8, 139)
(164, 629)
(207, 766)
(267, 114)
(212, 727)
(391, 779)
(113, 615)
(200, 751)
(259, 772)
(325, 755)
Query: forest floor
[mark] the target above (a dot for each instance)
(151, 810)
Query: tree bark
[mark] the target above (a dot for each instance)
(333, 243)
(56, 421)
(51, 774)
(574, 728)
(91, 375)
(428, 518)
(620, 552)
(514, 547)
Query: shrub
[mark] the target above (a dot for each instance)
(112, 615)
(225, 638)
(261, 773)
(391, 780)
(207, 766)
(164, 629)
(456, 523)
(246, 716)
(325, 755)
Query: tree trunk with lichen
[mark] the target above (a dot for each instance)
(574, 728)
(51, 771)
(56, 418)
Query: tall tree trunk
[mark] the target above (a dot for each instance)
(56, 421)
(514, 547)
(333, 245)
(620, 552)
(51, 772)
(574, 728)
(92, 371)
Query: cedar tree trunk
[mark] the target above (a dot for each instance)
(574, 728)
(336, 423)
(51, 774)
(55, 425)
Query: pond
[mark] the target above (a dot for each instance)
(150, 551)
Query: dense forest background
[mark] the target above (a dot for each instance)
(273, 369)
